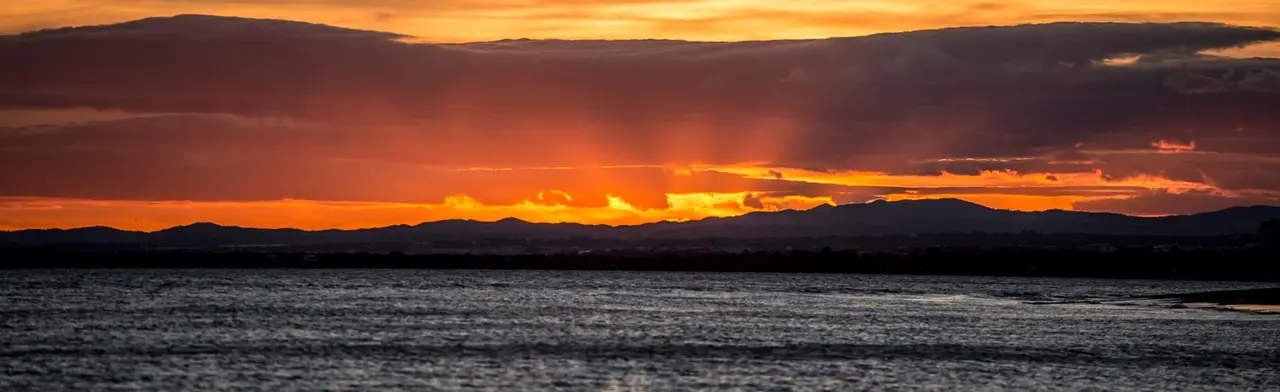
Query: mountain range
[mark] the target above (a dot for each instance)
(869, 219)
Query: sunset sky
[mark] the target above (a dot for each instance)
(383, 112)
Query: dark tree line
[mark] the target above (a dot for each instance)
(1260, 263)
(1255, 264)
(1269, 235)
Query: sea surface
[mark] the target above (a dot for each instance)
(282, 330)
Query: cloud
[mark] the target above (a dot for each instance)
(1195, 84)
(753, 201)
(274, 110)
(1260, 80)
(1173, 146)
(1166, 203)
(1263, 81)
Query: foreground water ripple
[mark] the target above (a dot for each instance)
(356, 329)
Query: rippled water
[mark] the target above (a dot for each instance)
(310, 330)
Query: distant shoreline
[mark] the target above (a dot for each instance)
(1254, 265)
(1255, 300)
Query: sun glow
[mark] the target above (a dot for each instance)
(997, 189)
(22, 213)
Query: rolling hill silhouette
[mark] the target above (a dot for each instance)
(875, 218)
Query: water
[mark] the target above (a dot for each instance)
(314, 330)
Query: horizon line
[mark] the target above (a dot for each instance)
(511, 218)
(412, 39)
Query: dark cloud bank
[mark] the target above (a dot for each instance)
(267, 104)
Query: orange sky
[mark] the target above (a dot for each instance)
(1005, 190)
(718, 20)
(383, 181)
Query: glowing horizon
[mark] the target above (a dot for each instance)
(547, 207)
(459, 21)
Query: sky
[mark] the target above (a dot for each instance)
(700, 20)
(352, 114)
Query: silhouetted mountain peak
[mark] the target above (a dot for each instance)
(99, 229)
(821, 207)
(947, 202)
(909, 208)
(200, 225)
(874, 218)
(196, 228)
(210, 26)
(513, 221)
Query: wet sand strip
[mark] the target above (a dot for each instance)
(1256, 300)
